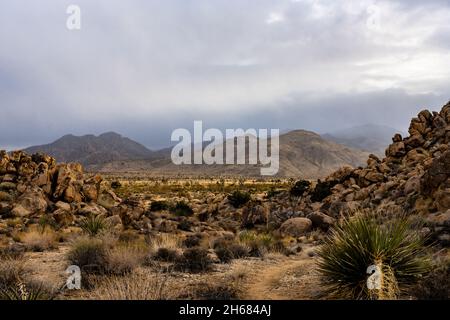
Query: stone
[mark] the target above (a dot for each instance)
(396, 150)
(91, 209)
(295, 227)
(33, 201)
(321, 220)
(63, 206)
(437, 173)
(441, 219)
(442, 199)
(63, 217)
(412, 185)
(254, 214)
(108, 199)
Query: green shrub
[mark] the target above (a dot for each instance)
(299, 188)
(239, 198)
(260, 243)
(182, 209)
(93, 225)
(156, 206)
(358, 243)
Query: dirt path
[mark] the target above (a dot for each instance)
(290, 279)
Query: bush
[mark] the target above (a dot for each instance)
(136, 286)
(238, 198)
(213, 291)
(259, 244)
(122, 260)
(166, 255)
(89, 254)
(359, 243)
(93, 225)
(227, 251)
(156, 206)
(11, 270)
(322, 190)
(26, 291)
(194, 260)
(192, 240)
(38, 240)
(182, 209)
(299, 188)
(116, 184)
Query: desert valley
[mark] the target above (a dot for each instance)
(140, 227)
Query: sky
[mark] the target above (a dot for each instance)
(145, 68)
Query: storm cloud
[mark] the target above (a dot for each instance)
(144, 68)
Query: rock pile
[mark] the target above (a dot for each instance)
(34, 186)
(414, 178)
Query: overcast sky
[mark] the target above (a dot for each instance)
(144, 68)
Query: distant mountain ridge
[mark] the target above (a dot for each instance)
(91, 149)
(369, 137)
(302, 154)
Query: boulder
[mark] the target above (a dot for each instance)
(108, 199)
(321, 220)
(91, 209)
(295, 227)
(31, 202)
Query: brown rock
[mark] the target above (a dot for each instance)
(108, 199)
(295, 227)
(396, 150)
(63, 217)
(321, 220)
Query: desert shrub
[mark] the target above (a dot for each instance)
(182, 209)
(166, 255)
(322, 190)
(136, 286)
(38, 240)
(26, 291)
(192, 241)
(11, 270)
(260, 243)
(164, 240)
(216, 291)
(228, 250)
(436, 285)
(358, 243)
(185, 224)
(156, 206)
(93, 225)
(128, 236)
(239, 198)
(272, 193)
(89, 254)
(123, 259)
(194, 260)
(116, 184)
(299, 188)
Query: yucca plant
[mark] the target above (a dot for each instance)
(22, 291)
(358, 245)
(93, 224)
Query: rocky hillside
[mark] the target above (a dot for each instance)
(302, 154)
(413, 178)
(90, 149)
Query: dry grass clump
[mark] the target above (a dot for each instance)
(164, 240)
(135, 286)
(38, 240)
(106, 255)
(260, 244)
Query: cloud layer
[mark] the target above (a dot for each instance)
(145, 68)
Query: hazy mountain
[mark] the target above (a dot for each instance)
(370, 137)
(302, 154)
(90, 149)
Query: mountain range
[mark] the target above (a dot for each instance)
(302, 154)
